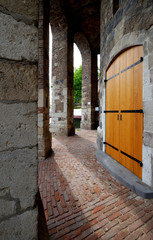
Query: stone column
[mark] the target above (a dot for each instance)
(62, 73)
(44, 136)
(94, 92)
(70, 124)
(86, 88)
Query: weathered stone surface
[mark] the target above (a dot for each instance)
(147, 170)
(99, 138)
(147, 107)
(59, 106)
(8, 207)
(18, 81)
(150, 45)
(18, 125)
(129, 5)
(148, 123)
(151, 76)
(27, 8)
(150, 60)
(19, 176)
(147, 93)
(148, 139)
(20, 227)
(17, 40)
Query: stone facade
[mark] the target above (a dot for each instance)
(18, 121)
(131, 25)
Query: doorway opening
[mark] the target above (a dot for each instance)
(124, 116)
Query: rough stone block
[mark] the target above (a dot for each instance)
(18, 81)
(151, 76)
(99, 133)
(150, 45)
(150, 61)
(19, 177)
(147, 173)
(17, 40)
(27, 8)
(18, 125)
(59, 106)
(148, 139)
(147, 107)
(20, 227)
(150, 32)
(8, 207)
(129, 5)
(146, 77)
(148, 123)
(147, 93)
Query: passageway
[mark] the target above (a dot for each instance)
(83, 201)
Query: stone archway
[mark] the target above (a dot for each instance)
(89, 83)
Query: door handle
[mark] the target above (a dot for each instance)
(121, 117)
(117, 116)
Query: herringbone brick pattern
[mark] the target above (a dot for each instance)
(83, 201)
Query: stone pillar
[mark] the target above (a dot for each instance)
(44, 136)
(70, 124)
(18, 119)
(94, 92)
(89, 83)
(62, 73)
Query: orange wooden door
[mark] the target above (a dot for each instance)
(129, 128)
(112, 111)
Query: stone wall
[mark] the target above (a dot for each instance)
(18, 121)
(131, 25)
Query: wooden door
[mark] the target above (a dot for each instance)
(124, 128)
(112, 113)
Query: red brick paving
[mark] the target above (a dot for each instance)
(83, 201)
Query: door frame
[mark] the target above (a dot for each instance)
(116, 63)
(104, 105)
(126, 41)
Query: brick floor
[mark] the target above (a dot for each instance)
(83, 201)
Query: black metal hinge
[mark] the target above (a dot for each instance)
(111, 146)
(111, 77)
(132, 111)
(136, 160)
(111, 111)
(134, 64)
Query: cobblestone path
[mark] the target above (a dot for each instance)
(83, 201)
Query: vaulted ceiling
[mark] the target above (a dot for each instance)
(84, 16)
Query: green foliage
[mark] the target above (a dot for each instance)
(98, 69)
(77, 87)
